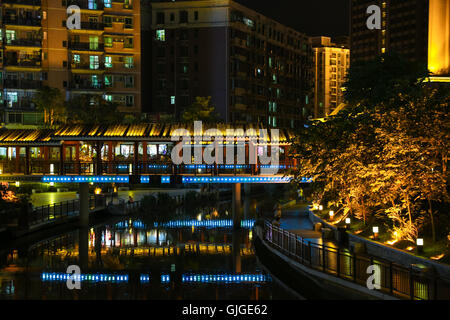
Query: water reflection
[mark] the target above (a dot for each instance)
(129, 260)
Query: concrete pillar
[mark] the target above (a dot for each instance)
(246, 207)
(237, 208)
(247, 189)
(84, 204)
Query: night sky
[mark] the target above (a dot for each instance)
(313, 17)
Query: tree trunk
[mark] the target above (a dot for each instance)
(433, 227)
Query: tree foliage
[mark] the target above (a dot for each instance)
(92, 109)
(385, 156)
(50, 101)
(200, 110)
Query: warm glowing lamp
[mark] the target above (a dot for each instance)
(375, 232)
(419, 241)
(320, 207)
(347, 220)
(331, 213)
(17, 183)
(52, 168)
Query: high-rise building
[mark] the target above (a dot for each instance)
(417, 29)
(37, 49)
(254, 68)
(331, 63)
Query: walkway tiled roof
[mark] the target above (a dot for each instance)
(144, 131)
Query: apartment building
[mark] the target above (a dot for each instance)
(37, 49)
(416, 29)
(331, 64)
(254, 68)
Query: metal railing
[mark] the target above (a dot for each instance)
(71, 208)
(395, 280)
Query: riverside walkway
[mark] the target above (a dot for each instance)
(297, 244)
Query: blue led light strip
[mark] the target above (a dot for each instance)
(205, 223)
(84, 277)
(78, 179)
(225, 278)
(206, 179)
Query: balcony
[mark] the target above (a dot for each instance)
(86, 85)
(22, 84)
(24, 2)
(24, 42)
(31, 63)
(86, 4)
(87, 66)
(86, 46)
(87, 25)
(31, 22)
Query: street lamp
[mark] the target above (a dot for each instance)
(347, 221)
(375, 232)
(331, 213)
(321, 207)
(419, 243)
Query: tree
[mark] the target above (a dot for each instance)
(200, 110)
(51, 102)
(384, 156)
(92, 109)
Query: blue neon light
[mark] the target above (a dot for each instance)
(225, 278)
(145, 179)
(165, 179)
(144, 278)
(247, 224)
(165, 278)
(206, 179)
(78, 179)
(84, 277)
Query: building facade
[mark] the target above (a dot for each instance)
(254, 68)
(37, 49)
(331, 64)
(417, 29)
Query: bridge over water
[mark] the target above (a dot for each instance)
(141, 153)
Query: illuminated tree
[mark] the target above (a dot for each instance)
(51, 102)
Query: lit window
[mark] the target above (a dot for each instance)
(161, 35)
(107, 97)
(128, 62)
(108, 62)
(93, 62)
(108, 80)
(76, 58)
(108, 42)
(107, 3)
(92, 5)
(172, 100)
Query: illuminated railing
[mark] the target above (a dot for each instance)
(78, 179)
(194, 180)
(225, 278)
(137, 224)
(113, 278)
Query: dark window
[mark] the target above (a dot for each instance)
(160, 18)
(196, 15)
(172, 17)
(183, 17)
(161, 52)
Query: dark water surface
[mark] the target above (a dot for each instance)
(125, 259)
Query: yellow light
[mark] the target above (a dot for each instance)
(331, 213)
(199, 217)
(410, 248)
(439, 37)
(17, 183)
(320, 207)
(375, 229)
(250, 235)
(98, 191)
(52, 184)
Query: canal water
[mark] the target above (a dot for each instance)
(124, 258)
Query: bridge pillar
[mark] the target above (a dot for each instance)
(237, 206)
(84, 204)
